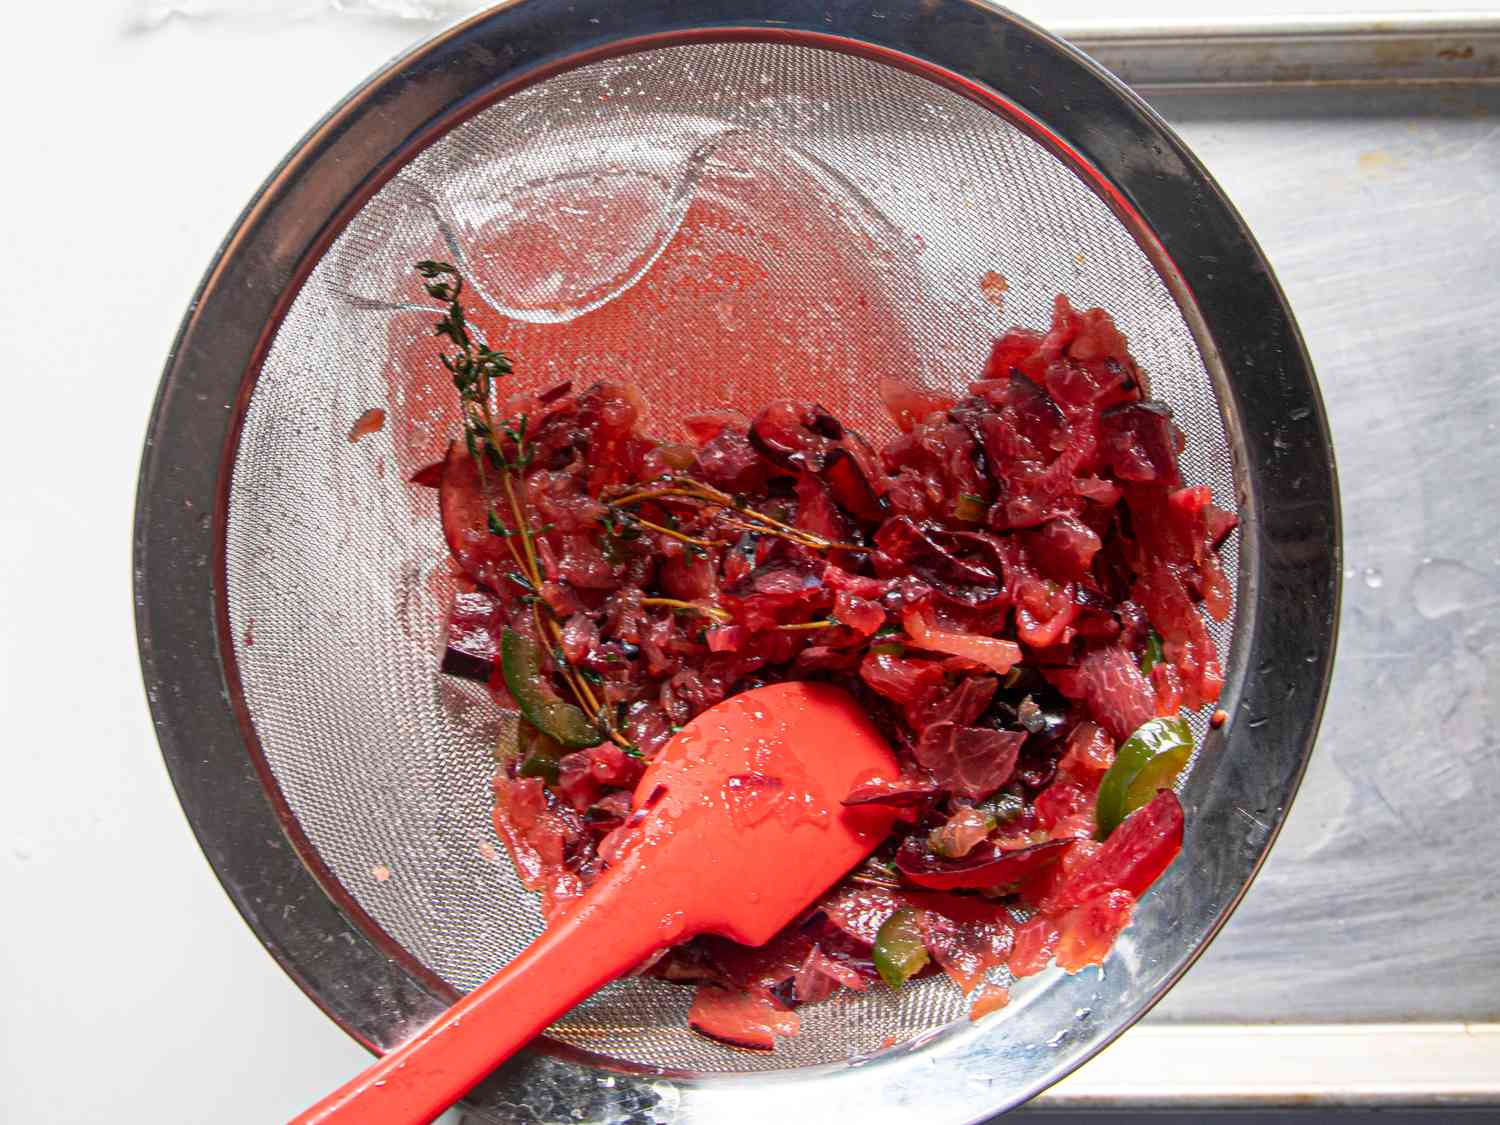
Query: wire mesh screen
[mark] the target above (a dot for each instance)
(719, 225)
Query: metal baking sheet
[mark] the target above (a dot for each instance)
(1378, 211)
(1426, 49)
(1361, 967)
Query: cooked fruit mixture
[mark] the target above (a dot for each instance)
(1014, 588)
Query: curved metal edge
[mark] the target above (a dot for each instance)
(1291, 583)
(196, 415)
(179, 632)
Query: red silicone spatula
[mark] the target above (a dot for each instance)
(738, 828)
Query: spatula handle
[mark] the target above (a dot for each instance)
(592, 945)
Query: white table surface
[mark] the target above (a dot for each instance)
(131, 989)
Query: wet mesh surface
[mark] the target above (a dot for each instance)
(717, 224)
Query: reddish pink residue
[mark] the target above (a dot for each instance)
(993, 285)
(370, 422)
(797, 799)
(760, 266)
(752, 797)
(803, 804)
(750, 1020)
(990, 998)
(250, 632)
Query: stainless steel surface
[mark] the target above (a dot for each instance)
(1425, 48)
(1378, 210)
(1193, 1067)
(1236, 794)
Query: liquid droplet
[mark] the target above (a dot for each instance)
(1443, 586)
(670, 927)
(1373, 578)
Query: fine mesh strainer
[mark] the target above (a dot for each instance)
(769, 203)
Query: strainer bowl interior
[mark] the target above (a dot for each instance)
(718, 216)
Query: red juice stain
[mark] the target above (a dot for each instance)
(370, 422)
(772, 286)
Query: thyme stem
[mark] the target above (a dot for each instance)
(667, 531)
(534, 572)
(474, 370)
(710, 611)
(689, 489)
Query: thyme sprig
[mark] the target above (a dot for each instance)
(713, 613)
(742, 517)
(505, 450)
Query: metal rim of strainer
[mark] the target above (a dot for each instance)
(1288, 586)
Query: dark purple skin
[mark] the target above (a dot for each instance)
(807, 438)
(796, 435)
(903, 793)
(473, 647)
(1041, 417)
(786, 992)
(1139, 442)
(910, 544)
(1096, 616)
(984, 867)
(851, 488)
(429, 476)
(962, 567)
(841, 945)
(1036, 769)
(966, 412)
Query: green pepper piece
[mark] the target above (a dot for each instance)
(889, 641)
(539, 754)
(969, 508)
(521, 665)
(1003, 807)
(899, 953)
(1150, 759)
(537, 766)
(1157, 774)
(1153, 654)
